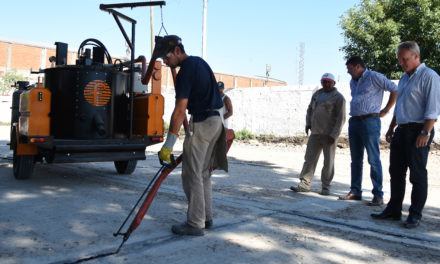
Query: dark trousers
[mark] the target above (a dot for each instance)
(404, 155)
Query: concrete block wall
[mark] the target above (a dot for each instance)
(269, 110)
(280, 111)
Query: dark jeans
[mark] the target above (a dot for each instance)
(364, 135)
(404, 155)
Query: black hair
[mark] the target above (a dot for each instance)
(181, 47)
(178, 45)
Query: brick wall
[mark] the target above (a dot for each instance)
(237, 81)
(3, 54)
(23, 56)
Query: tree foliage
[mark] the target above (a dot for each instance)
(9, 79)
(374, 28)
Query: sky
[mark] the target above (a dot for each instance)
(243, 36)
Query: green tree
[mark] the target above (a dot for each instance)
(374, 28)
(9, 79)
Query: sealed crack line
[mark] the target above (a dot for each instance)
(154, 242)
(375, 232)
(356, 228)
(241, 202)
(159, 241)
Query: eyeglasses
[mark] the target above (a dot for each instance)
(325, 81)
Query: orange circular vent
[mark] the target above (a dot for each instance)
(97, 93)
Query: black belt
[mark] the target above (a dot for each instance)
(411, 124)
(365, 116)
(213, 113)
(203, 115)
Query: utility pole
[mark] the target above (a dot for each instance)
(205, 3)
(152, 28)
(302, 48)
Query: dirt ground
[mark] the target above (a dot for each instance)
(299, 141)
(67, 213)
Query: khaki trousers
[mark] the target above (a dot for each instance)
(198, 149)
(316, 145)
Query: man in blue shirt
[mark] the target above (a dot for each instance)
(205, 143)
(367, 89)
(416, 111)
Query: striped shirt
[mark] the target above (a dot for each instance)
(367, 93)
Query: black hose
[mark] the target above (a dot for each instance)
(96, 43)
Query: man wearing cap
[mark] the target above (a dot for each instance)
(417, 109)
(226, 110)
(367, 89)
(205, 143)
(325, 119)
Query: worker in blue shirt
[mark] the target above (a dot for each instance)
(205, 143)
(367, 90)
(416, 111)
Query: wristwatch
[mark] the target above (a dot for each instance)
(424, 132)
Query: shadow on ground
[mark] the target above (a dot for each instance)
(68, 211)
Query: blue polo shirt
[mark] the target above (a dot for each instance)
(196, 82)
(367, 93)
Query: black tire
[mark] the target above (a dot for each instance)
(13, 138)
(125, 166)
(23, 166)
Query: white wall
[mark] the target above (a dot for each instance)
(279, 111)
(5, 108)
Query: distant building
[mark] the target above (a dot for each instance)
(27, 56)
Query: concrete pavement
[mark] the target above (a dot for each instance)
(68, 212)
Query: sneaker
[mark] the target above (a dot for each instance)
(325, 192)
(187, 230)
(299, 188)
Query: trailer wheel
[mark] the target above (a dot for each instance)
(13, 138)
(23, 166)
(125, 166)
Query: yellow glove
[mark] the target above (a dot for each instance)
(164, 154)
(165, 151)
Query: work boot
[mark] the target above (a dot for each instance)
(187, 230)
(325, 191)
(376, 201)
(208, 224)
(299, 188)
(351, 196)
